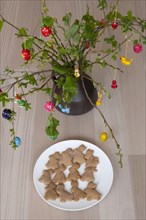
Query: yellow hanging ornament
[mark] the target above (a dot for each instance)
(103, 136)
(76, 71)
(99, 100)
(125, 61)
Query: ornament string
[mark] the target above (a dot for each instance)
(115, 73)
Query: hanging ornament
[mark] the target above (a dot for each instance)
(18, 97)
(124, 59)
(114, 24)
(6, 113)
(49, 106)
(137, 48)
(77, 73)
(26, 54)
(46, 31)
(1, 91)
(103, 136)
(98, 102)
(114, 82)
(76, 70)
(17, 141)
(99, 99)
(21, 102)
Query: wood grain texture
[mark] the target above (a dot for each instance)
(125, 113)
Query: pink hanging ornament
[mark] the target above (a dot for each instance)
(49, 106)
(137, 48)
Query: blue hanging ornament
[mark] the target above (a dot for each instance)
(6, 113)
(18, 141)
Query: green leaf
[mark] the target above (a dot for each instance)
(72, 30)
(76, 39)
(22, 32)
(44, 55)
(57, 99)
(27, 106)
(31, 79)
(2, 81)
(102, 4)
(1, 24)
(62, 50)
(45, 9)
(47, 90)
(111, 40)
(51, 129)
(103, 64)
(129, 13)
(4, 98)
(52, 132)
(67, 19)
(28, 43)
(59, 69)
(48, 21)
(69, 88)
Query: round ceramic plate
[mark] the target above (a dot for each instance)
(103, 177)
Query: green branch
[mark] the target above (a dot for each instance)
(106, 123)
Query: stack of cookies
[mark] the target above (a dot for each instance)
(54, 177)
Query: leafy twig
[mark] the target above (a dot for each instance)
(106, 123)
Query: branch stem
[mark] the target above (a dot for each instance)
(106, 123)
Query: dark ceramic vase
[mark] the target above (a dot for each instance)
(80, 103)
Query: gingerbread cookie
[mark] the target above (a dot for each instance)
(51, 192)
(79, 156)
(88, 175)
(89, 153)
(66, 158)
(63, 194)
(91, 192)
(76, 192)
(52, 163)
(59, 175)
(74, 174)
(92, 162)
(46, 176)
(56, 155)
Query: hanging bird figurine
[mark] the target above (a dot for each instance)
(125, 61)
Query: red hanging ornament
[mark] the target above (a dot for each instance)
(114, 84)
(114, 24)
(18, 97)
(26, 54)
(46, 31)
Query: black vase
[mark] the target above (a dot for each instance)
(80, 104)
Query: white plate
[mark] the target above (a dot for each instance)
(103, 177)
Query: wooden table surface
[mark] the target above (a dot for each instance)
(125, 113)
